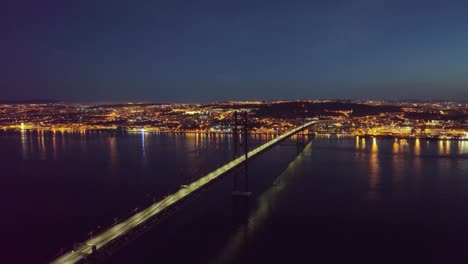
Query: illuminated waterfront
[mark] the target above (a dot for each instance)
(430, 120)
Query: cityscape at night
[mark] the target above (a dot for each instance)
(426, 120)
(225, 132)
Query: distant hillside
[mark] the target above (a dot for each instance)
(294, 109)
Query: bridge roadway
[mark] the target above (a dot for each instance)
(139, 218)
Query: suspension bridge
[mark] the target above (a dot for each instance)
(106, 237)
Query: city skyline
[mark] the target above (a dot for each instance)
(167, 51)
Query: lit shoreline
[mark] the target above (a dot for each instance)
(157, 131)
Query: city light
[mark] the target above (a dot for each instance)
(403, 122)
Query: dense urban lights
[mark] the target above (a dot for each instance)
(406, 120)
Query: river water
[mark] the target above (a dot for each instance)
(334, 200)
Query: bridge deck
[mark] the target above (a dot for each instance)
(139, 218)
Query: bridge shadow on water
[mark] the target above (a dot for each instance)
(249, 219)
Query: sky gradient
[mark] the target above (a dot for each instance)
(201, 51)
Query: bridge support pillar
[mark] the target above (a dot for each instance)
(235, 139)
(245, 192)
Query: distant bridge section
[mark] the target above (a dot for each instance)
(157, 208)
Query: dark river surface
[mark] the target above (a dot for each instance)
(335, 200)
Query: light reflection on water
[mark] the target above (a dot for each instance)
(24, 144)
(397, 166)
(404, 146)
(399, 160)
(113, 153)
(396, 147)
(54, 145)
(374, 170)
(464, 147)
(143, 146)
(417, 147)
(417, 158)
(441, 147)
(408, 189)
(41, 145)
(64, 140)
(408, 158)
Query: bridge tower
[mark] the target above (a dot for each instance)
(301, 139)
(235, 139)
(245, 192)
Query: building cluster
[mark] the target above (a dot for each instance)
(447, 120)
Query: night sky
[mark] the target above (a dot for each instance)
(189, 51)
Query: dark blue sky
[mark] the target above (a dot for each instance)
(220, 50)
